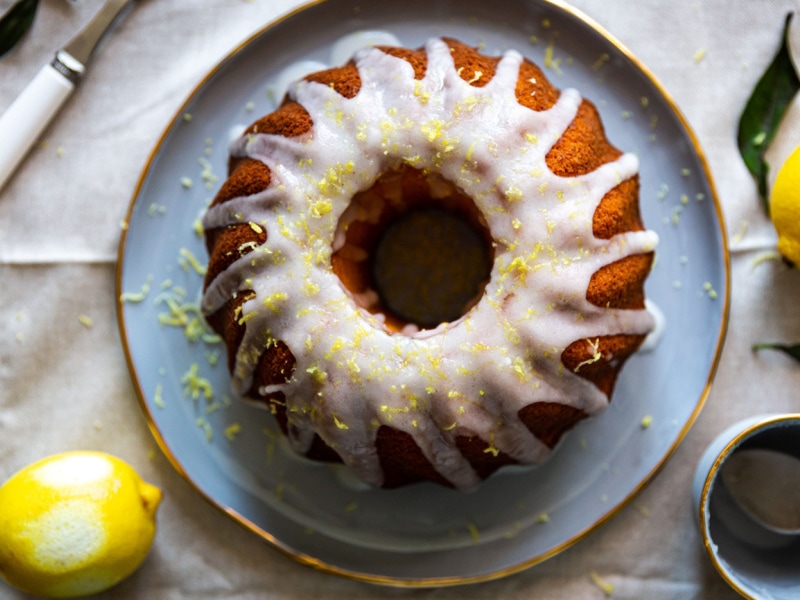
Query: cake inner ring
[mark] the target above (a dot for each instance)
(413, 248)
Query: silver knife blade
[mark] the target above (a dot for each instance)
(76, 53)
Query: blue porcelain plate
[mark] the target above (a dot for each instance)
(423, 535)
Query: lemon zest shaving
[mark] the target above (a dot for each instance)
(604, 585)
(231, 431)
(764, 257)
(595, 356)
(136, 297)
(192, 261)
(195, 385)
(158, 397)
(473, 531)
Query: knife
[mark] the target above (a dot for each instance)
(26, 118)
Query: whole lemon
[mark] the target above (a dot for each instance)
(785, 208)
(74, 524)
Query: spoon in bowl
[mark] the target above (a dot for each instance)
(765, 484)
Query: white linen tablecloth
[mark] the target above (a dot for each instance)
(66, 386)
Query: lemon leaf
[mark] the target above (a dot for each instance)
(15, 23)
(763, 113)
(792, 350)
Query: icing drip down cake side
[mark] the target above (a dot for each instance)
(520, 220)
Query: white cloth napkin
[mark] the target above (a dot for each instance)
(64, 385)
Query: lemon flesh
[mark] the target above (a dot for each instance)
(785, 208)
(75, 524)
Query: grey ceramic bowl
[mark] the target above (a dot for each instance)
(756, 562)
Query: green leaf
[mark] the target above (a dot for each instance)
(763, 113)
(15, 23)
(792, 350)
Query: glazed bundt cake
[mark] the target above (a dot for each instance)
(428, 264)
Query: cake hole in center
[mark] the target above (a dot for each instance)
(415, 249)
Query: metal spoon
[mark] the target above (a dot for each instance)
(765, 484)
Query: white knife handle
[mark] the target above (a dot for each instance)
(26, 118)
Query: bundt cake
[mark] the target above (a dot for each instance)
(319, 280)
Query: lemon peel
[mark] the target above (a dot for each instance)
(75, 524)
(785, 208)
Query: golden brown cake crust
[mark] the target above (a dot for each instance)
(289, 120)
(582, 148)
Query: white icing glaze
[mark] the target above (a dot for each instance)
(469, 377)
(346, 46)
(659, 327)
(236, 131)
(290, 74)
